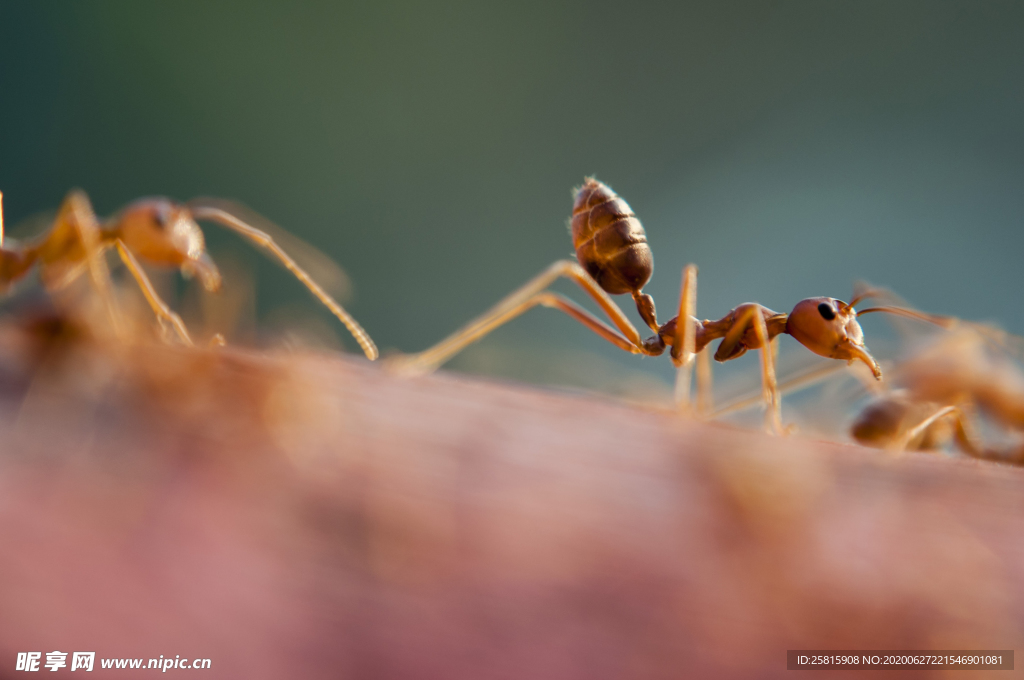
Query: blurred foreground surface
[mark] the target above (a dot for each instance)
(312, 516)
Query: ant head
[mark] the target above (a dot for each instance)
(829, 328)
(162, 232)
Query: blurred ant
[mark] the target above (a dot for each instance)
(614, 258)
(945, 386)
(156, 230)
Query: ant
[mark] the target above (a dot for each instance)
(945, 386)
(156, 230)
(613, 258)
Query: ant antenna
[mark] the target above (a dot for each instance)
(946, 322)
(864, 291)
(868, 291)
(225, 218)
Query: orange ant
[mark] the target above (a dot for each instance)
(945, 385)
(614, 258)
(156, 230)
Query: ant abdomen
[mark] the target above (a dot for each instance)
(609, 240)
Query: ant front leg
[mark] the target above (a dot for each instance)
(752, 317)
(159, 307)
(531, 294)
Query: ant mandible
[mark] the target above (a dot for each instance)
(614, 258)
(156, 230)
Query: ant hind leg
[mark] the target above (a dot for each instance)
(77, 221)
(529, 295)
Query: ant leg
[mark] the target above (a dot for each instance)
(685, 344)
(68, 275)
(773, 418)
(556, 301)
(802, 380)
(263, 239)
(409, 365)
(705, 391)
(160, 308)
(754, 316)
(76, 214)
(965, 436)
(515, 304)
(913, 433)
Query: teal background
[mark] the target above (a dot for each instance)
(788, 148)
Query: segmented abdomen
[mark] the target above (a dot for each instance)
(609, 240)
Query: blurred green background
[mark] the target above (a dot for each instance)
(788, 148)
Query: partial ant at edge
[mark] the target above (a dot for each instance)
(160, 232)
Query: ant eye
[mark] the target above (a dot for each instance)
(826, 311)
(160, 217)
